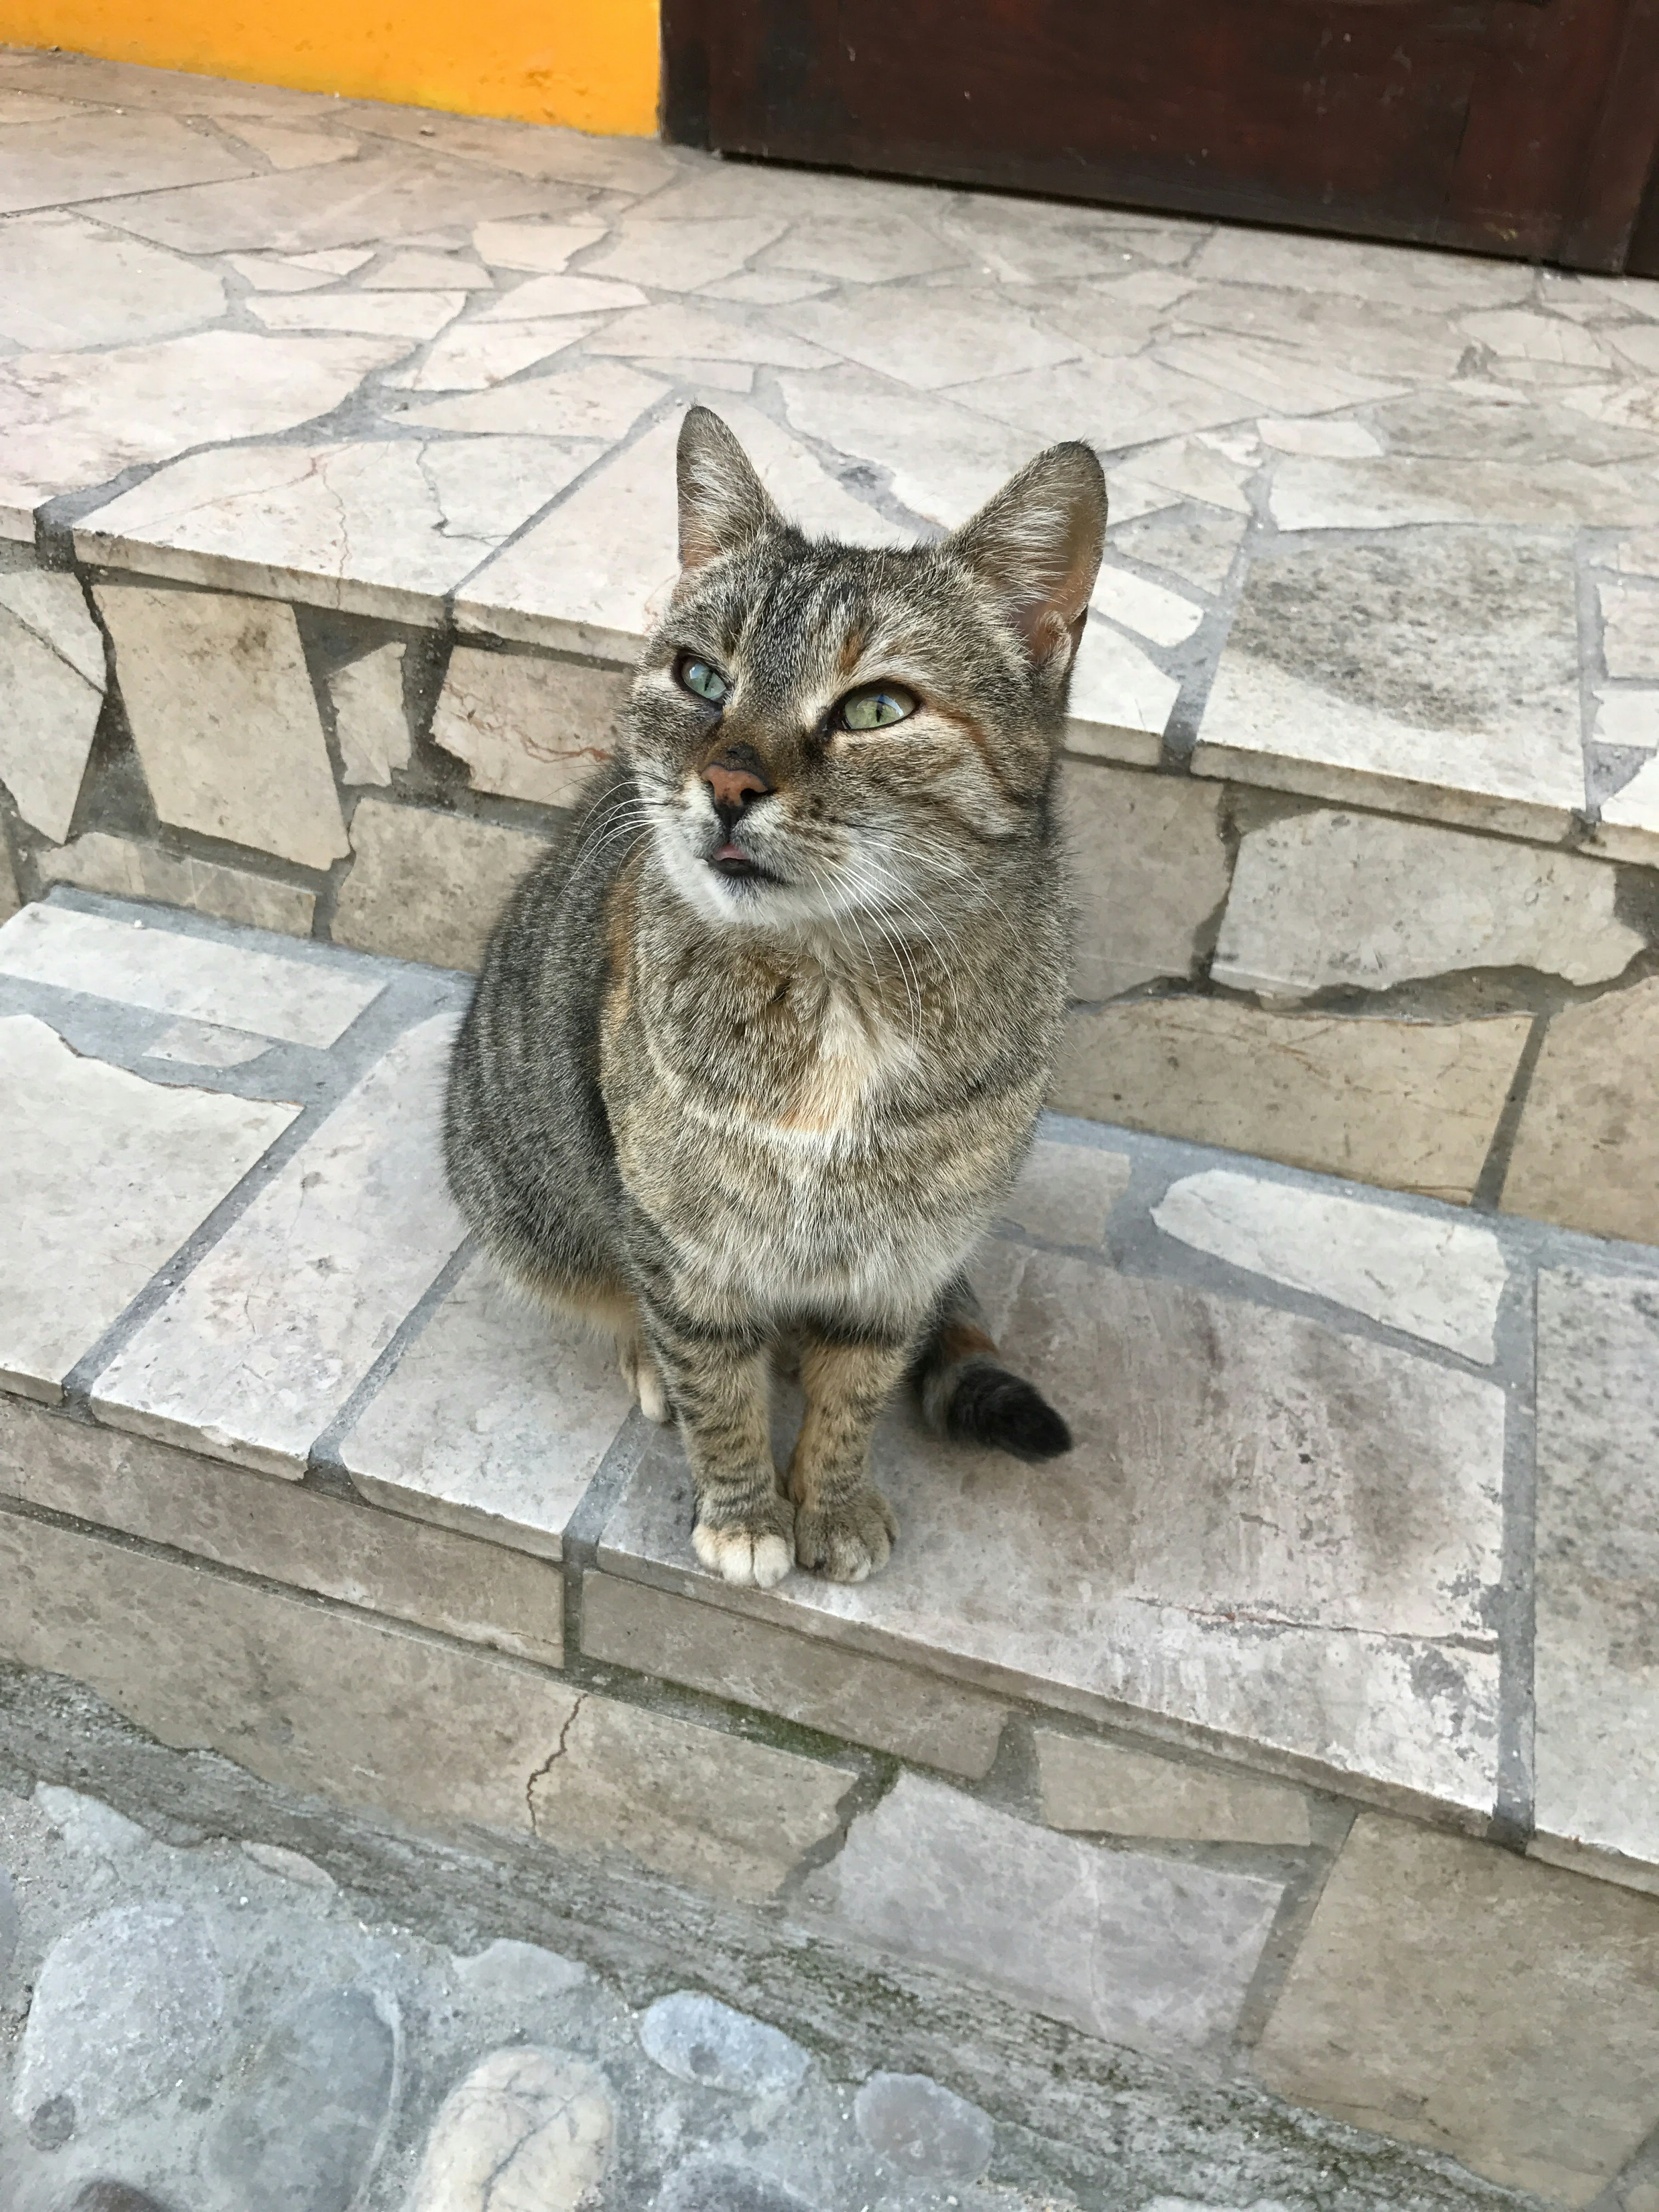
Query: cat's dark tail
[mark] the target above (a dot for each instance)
(969, 1396)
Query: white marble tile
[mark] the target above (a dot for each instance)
(107, 1175)
(1388, 274)
(1257, 375)
(1321, 900)
(589, 399)
(872, 249)
(801, 486)
(1630, 630)
(286, 149)
(1163, 616)
(133, 867)
(1043, 242)
(528, 727)
(1328, 437)
(270, 272)
(1637, 343)
(1313, 334)
(51, 675)
(66, 281)
(1523, 334)
(542, 247)
(766, 288)
(200, 978)
(1142, 400)
(71, 420)
(224, 719)
(1626, 718)
(927, 340)
(680, 257)
(524, 150)
(1629, 827)
(472, 356)
(71, 158)
(334, 260)
(373, 527)
(379, 314)
(264, 1341)
(538, 297)
(1121, 699)
(370, 725)
(943, 462)
(415, 272)
(200, 1044)
(679, 331)
(1178, 469)
(1432, 1278)
(494, 1421)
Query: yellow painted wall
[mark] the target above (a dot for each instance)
(590, 63)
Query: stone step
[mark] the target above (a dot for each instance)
(1356, 1536)
(337, 517)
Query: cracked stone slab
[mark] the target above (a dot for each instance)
(1149, 869)
(1597, 1688)
(370, 725)
(1439, 674)
(1270, 1534)
(1093, 1787)
(494, 1420)
(473, 356)
(224, 719)
(264, 1341)
(1441, 1280)
(106, 1176)
(201, 978)
(129, 867)
(1328, 899)
(528, 727)
(1586, 1152)
(578, 399)
(428, 886)
(51, 671)
(1139, 1949)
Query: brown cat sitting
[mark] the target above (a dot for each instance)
(755, 1055)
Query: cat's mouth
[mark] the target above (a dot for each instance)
(733, 861)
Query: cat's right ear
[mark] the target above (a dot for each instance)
(724, 505)
(1038, 544)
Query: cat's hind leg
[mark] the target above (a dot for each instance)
(969, 1396)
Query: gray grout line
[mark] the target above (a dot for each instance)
(323, 1458)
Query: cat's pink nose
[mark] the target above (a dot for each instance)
(734, 786)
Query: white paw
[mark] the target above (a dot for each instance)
(750, 1558)
(654, 1399)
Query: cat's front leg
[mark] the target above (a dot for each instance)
(720, 1388)
(844, 1527)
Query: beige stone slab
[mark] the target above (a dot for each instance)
(370, 526)
(845, 1693)
(1149, 869)
(1065, 1193)
(476, 1592)
(927, 340)
(1438, 1279)
(1586, 1152)
(714, 1810)
(677, 329)
(362, 1710)
(66, 281)
(201, 978)
(473, 356)
(1270, 1536)
(543, 248)
(494, 1420)
(1435, 676)
(382, 314)
(67, 160)
(586, 399)
(528, 727)
(1093, 1787)
(266, 1338)
(53, 604)
(1323, 899)
(107, 1175)
(1120, 700)
(1136, 1949)
(224, 719)
(1166, 618)
(127, 867)
(538, 297)
(371, 726)
(1411, 1104)
(428, 886)
(1596, 1679)
(1451, 1994)
(53, 697)
(69, 421)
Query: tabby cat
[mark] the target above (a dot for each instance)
(756, 1052)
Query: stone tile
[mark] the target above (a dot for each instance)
(1597, 1566)
(107, 1175)
(942, 461)
(64, 161)
(66, 281)
(71, 420)
(1142, 400)
(680, 257)
(309, 2103)
(1451, 1994)
(1395, 491)
(541, 247)
(526, 2127)
(9, 901)
(1164, 1568)
(1194, 543)
(473, 356)
(1120, 700)
(270, 272)
(590, 400)
(494, 1420)
(1177, 470)
(383, 315)
(846, 1693)
(428, 886)
(1065, 1192)
(680, 330)
(1630, 630)
(1521, 333)
(1389, 274)
(275, 1326)
(766, 287)
(234, 986)
(1258, 375)
(1111, 1790)
(1323, 437)
(927, 340)
(200, 1044)
(1586, 1152)
(479, 1593)
(370, 725)
(1629, 825)
(527, 727)
(714, 1810)
(224, 719)
(923, 2128)
(1043, 242)
(1441, 1280)
(542, 296)
(381, 198)
(524, 149)
(1149, 870)
(1438, 673)
(127, 867)
(417, 272)
(1626, 718)
(1411, 1104)
(293, 149)
(1323, 900)
(1140, 1950)
(871, 249)
(371, 527)
(371, 1714)
(1164, 616)
(51, 671)
(696, 2039)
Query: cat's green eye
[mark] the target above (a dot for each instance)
(877, 705)
(706, 681)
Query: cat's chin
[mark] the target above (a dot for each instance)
(742, 900)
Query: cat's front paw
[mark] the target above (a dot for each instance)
(848, 1540)
(757, 1551)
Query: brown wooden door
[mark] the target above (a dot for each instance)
(1525, 127)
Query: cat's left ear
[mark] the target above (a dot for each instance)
(1037, 543)
(724, 505)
